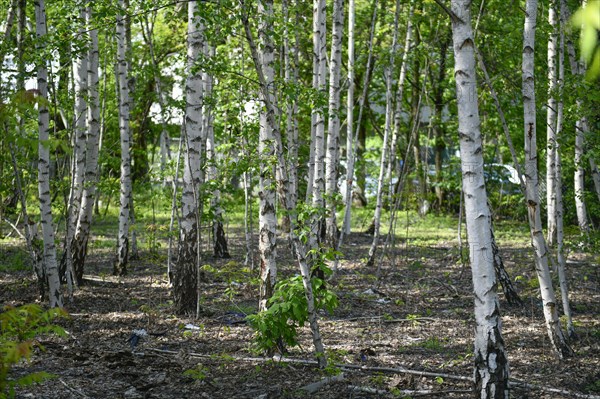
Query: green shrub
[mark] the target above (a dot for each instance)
(19, 329)
(287, 311)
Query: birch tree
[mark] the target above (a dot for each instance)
(318, 186)
(333, 132)
(290, 59)
(578, 68)
(551, 124)
(185, 273)
(270, 113)
(267, 220)
(49, 257)
(491, 363)
(84, 221)
(555, 333)
(560, 252)
(120, 266)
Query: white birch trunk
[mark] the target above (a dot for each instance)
(185, 273)
(333, 132)
(82, 231)
(120, 267)
(291, 78)
(267, 220)
(551, 125)
(557, 338)
(491, 363)
(318, 187)
(579, 182)
(562, 261)
(49, 259)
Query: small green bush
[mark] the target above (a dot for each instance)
(287, 311)
(19, 329)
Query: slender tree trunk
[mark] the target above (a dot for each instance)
(291, 120)
(595, 176)
(122, 258)
(318, 187)
(267, 244)
(384, 147)
(551, 125)
(332, 156)
(438, 123)
(562, 261)
(581, 128)
(219, 238)
(50, 263)
(31, 236)
(557, 338)
(185, 273)
(82, 231)
(346, 228)
(394, 167)
(283, 182)
(579, 181)
(491, 363)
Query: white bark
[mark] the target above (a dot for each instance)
(82, 231)
(291, 78)
(320, 52)
(185, 277)
(551, 124)
(491, 363)
(120, 267)
(333, 133)
(538, 242)
(562, 261)
(267, 220)
(579, 182)
(50, 264)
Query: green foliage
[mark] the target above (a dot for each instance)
(588, 19)
(19, 328)
(288, 311)
(198, 373)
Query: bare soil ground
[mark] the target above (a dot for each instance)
(418, 316)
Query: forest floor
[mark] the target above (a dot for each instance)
(417, 318)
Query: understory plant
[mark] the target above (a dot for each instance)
(277, 327)
(19, 329)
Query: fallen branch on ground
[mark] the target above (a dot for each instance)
(392, 370)
(315, 386)
(408, 392)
